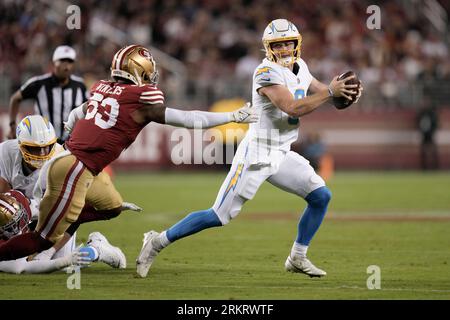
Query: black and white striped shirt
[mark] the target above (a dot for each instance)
(53, 101)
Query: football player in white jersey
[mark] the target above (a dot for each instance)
(21, 165)
(21, 158)
(15, 215)
(280, 84)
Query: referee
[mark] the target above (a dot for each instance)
(55, 94)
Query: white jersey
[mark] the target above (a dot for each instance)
(276, 130)
(264, 154)
(12, 171)
(11, 168)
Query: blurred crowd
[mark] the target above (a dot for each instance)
(219, 42)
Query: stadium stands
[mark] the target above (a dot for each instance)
(218, 42)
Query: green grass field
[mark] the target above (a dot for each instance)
(397, 221)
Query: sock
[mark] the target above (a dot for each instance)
(299, 250)
(23, 245)
(163, 241)
(313, 216)
(193, 223)
(92, 252)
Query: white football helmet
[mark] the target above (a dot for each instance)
(281, 30)
(15, 214)
(37, 138)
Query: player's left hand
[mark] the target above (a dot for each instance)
(81, 259)
(130, 206)
(246, 114)
(359, 92)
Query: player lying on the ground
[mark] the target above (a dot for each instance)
(21, 161)
(21, 164)
(280, 84)
(15, 218)
(107, 124)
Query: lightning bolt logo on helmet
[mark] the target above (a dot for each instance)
(37, 138)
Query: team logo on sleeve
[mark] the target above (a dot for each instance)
(263, 73)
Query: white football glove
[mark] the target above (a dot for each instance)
(130, 206)
(77, 258)
(246, 114)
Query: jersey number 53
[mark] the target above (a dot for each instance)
(104, 111)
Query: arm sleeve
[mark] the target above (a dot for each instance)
(196, 119)
(34, 266)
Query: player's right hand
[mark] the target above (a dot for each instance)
(80, 259)
(246, 114)
(340, 89)
(359, 92)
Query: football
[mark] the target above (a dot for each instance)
(342, 102)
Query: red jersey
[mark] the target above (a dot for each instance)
(108, 127)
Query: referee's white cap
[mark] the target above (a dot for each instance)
(64, 52)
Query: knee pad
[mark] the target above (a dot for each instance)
(319, 197)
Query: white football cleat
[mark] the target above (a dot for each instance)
(107, 253)
(130, 206)
(303, 265)
(147, 255)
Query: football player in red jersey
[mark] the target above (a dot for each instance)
(106, 124)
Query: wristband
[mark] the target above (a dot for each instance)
(330, 92)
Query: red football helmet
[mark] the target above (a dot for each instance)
(15, 214)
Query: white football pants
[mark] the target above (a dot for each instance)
(286, 170)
